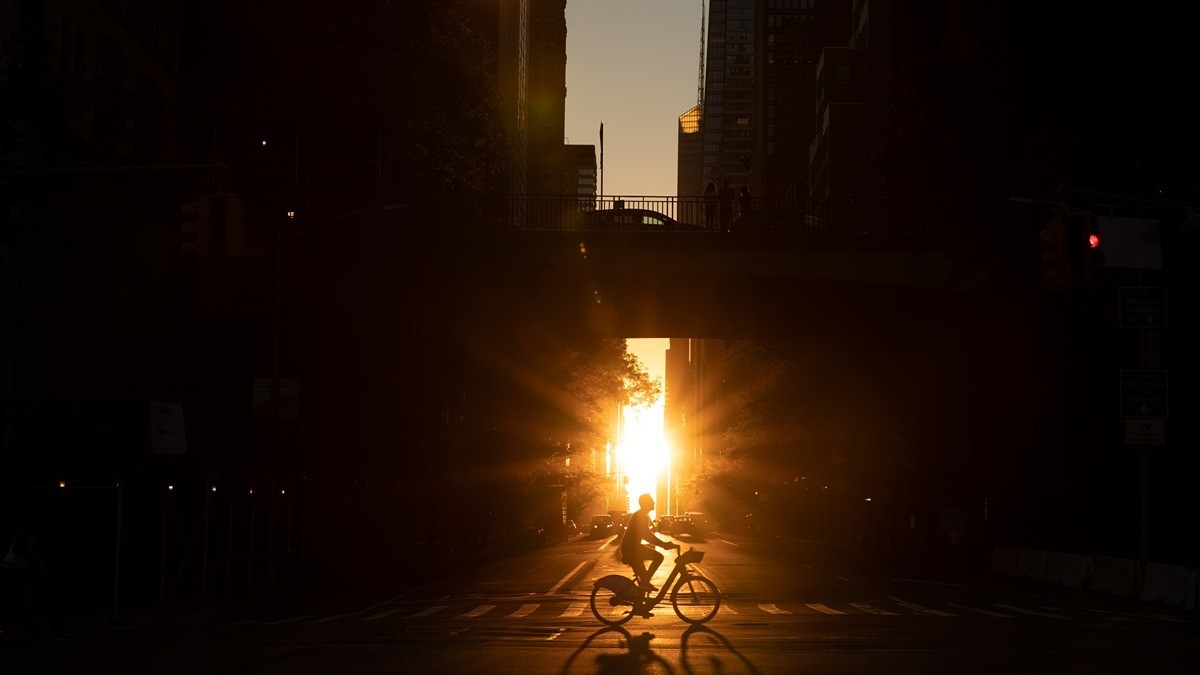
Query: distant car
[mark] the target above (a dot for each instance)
(663, 524)
(683, 525)
(630, 219)
(700, 519)
(570, 528)
(602, 525)
(746, 524)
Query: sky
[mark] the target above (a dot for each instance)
(633, 65)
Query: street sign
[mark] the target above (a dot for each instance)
(1145, 432)
(1143, 307)
(1144, 393)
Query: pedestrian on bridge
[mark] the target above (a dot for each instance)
(710, 206)
(725, 198)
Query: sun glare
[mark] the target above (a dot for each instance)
(642, 451)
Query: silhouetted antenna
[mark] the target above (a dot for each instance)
(700, 80)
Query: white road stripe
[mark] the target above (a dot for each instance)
(478, 611)
(333, 618)
(1029, 612)
(823, 608)
(525, 610)
(294, 618)
(726, 541)
(729, 609)
(380, 615)
(427, 612)
(555, 587)
(918, 608)
(607, 542)
(575, 609)
(981, 611)
(773, 609)
(872, 610)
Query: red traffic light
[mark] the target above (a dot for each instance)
(1093, 240)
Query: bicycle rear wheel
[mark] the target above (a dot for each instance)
(610, 608)
(695, 599)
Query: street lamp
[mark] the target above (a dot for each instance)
(280, 239)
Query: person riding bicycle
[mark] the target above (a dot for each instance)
(633, 552)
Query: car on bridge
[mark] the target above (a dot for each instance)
(631, 219)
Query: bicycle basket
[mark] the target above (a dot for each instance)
(691, 557)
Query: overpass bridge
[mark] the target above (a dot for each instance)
(839, 273)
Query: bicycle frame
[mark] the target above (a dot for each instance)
(642, 602)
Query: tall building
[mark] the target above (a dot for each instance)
(758, 113)
(579, 171)
(547, 96)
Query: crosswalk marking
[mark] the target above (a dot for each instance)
(335, 617)
(871, 610)
(575, 609)
(478, 611)
(920, 609)
(823, 608)
(294, 618)
(773, 609)
(1030, 612)
(525, 610)
(981, 611)
(380, 615)
(427, 612)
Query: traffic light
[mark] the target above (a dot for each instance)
(1093, 253)
(235, 226)
(195, 226)
(1072, 252)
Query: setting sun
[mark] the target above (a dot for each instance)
(642, 451)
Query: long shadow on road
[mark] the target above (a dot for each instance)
(632, 654)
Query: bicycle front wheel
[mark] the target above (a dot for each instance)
(695, 599)
(609, 607)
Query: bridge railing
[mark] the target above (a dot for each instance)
(567, 212)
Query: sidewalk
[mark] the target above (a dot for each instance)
(383, 580)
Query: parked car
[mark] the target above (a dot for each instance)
(570, 528)
(663, 524)
(630, 219)
(602, 525)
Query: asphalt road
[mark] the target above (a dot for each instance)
(788, 607)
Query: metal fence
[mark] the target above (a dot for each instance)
(572, 212)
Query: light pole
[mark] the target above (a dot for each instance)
(280, 239)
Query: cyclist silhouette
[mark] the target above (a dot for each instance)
(634, 553)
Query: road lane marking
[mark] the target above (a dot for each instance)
(919, 608)
(730, 543)
(380, 615)
(478, 611)
(1030, 612)
(555, 587)
(729, 609)
(333, 618)
(981, 611)
(607, 542)
(872, 610)
(823, 608)
(427, 612)
(842, 578)
(294, 618)
(525, 610)
(773, 609)
(935, 583)
(575, 609)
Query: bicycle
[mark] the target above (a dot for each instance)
(616, 599)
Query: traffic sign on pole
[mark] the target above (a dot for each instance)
(1143, 307)
(1144, 393)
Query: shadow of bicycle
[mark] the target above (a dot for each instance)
(618, 652)
(719, 655)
